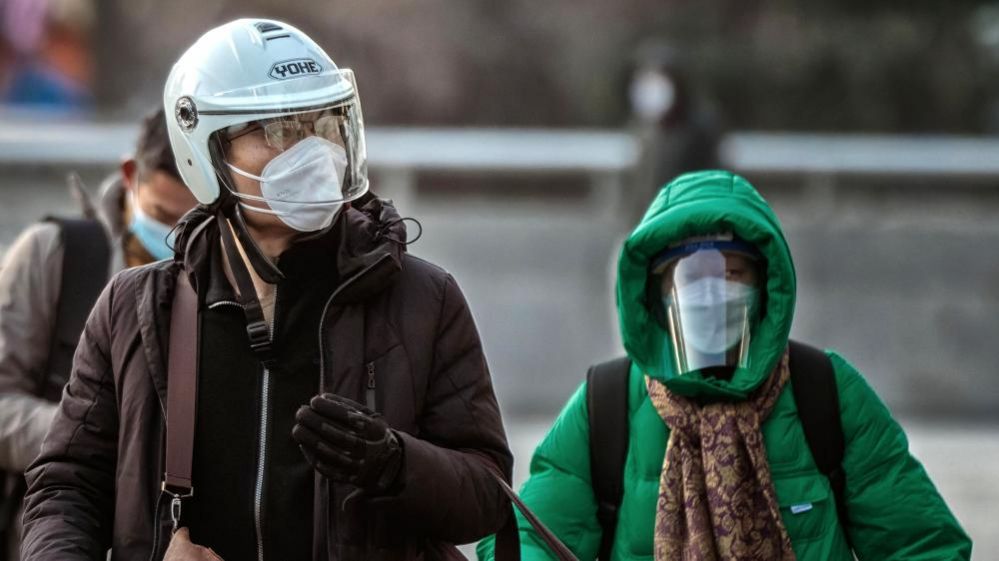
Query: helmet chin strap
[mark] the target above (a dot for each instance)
(257, 328)
(262, 265)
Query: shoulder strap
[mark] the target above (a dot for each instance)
(85, 263)
(817, 397)
(182, 394)
(607, 403)
(508, 539)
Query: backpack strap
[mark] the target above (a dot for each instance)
(607, 403)
(85, 266)
(817, 397)
(85, 263)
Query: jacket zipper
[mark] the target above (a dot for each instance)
(370, 394)
(264, 425)
(221, 303)
(258, 490)
(258, 494)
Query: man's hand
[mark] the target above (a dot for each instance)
(181, 549)
(349, 443)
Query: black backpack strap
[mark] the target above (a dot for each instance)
(817, 397)
(607, 403)
(85, 265)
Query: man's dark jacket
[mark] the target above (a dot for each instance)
(96, 484)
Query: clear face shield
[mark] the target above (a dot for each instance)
(318, 163)
(708, 297)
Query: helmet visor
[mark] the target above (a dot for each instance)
(709, 297)
(340, 123)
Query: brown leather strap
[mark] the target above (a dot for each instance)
(508, 542)
(182, 388)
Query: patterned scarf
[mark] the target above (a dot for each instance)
(716, 497)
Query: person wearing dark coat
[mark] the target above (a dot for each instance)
(343, 406)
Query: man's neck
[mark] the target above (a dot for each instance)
(271, 246)
(272, 242)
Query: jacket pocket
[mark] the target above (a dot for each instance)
(806, 506)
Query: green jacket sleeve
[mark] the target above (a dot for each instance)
(894, 510)
(558, 489)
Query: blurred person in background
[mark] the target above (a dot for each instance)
(338, 404)
(677, 132)
(49, 281)
(717, 437)
(45, 55)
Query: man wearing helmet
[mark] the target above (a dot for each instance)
(338, 405)
(713, 451)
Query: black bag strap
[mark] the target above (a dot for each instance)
(85, 266)
(813, 381)
(607, 403)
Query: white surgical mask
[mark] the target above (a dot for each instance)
(302, 185)
(714, 313)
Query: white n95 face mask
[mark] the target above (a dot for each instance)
(714, 313)
(302, 185)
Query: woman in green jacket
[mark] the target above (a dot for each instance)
(717, 464)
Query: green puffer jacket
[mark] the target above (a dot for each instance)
(894, 510)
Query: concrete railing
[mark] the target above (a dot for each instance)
(398, 155)
(862, 155)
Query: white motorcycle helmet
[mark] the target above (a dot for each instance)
(252, 72)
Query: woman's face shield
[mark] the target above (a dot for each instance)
(709, 297)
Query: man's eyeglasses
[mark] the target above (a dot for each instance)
(283, 132)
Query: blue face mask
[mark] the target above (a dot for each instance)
(154, 235)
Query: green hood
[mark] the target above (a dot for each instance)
(697, 204)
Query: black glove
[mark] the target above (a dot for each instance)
(349, 443)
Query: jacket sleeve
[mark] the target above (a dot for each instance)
(559, 490)
(70, 500)
(29, 292)
(447, 487)
(894, 511)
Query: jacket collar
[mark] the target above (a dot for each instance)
(366, 243)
